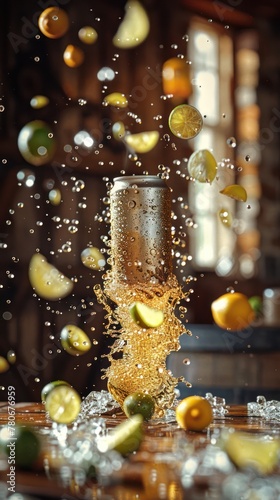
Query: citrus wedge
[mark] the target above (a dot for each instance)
(92, 258)
(253, 451)
(134, 27)
(116, 99)
(74, 340)
(202, 166)
(235, 191)
(185, 121)
(142, 142)
(145, 316)
(125, 437)
(63, 404)
(47, 281)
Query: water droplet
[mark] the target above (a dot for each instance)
(231, 142)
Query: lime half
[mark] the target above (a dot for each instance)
(47, 281)
(142, 142)
(50, 386)
(145, 316)
(125, 438)
(63, 404)
(185, 121)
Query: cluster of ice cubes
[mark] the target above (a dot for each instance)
(269, 410)
(218, 404)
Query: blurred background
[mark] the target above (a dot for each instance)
(229, 52)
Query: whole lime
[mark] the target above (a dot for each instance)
(21, 444)
(36, 143)
(139, 403)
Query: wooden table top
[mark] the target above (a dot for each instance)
(131, 483)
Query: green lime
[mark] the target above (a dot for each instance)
(21, 444)
(139, 403)
(145, 316)
(125, 437)
(256, 304)
(49, 387)
(36, 143)
(74, 340)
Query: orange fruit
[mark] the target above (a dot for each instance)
(194, 413)
(232, 311)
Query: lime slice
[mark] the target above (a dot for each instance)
(116, 99)
(92, 258)
(125, 437)
(134, 27)
(202, 166)
(253, 450)
(139, 403)
(185, 121)
(146, 316)
(4, 365)
(49, 387)
(235, 191)
(47, 281)
(63, 404)
(74, 340)
(142, 142)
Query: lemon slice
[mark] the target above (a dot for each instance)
(125, 437)
(47, 281)
(146, 316)
(134, 27)
(185, 121)
(142, 142)
(253, 450)
(92, 258)
(63, 404)
(202, 166)
(74, 340)
(116, 99)
(235, 191)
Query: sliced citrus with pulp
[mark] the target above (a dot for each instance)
(142, 142)
(145, 316)
(253, 451)
(63, 404)
(74, 340)
(134, 27)
(202, 166)
(139, 403)
(49, 387)
(47, 281)
(194, 413)
(185, 121)
(232, 311)
(235, 191)
(125, 437)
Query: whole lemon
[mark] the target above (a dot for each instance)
(194, 413)
(232, 311)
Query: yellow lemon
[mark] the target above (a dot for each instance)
(232, 311)
(194, 413)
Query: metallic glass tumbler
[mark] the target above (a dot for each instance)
(141, 229)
